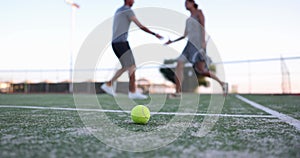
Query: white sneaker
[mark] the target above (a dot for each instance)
(174, 96)
(137, 95)
(108, 89)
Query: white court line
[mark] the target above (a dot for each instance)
(283, 117)
(121, 111)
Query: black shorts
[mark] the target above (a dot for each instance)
(124, 54)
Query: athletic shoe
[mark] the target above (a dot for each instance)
(174, 96)
(137, 95)
(108, 89)
(225, 89)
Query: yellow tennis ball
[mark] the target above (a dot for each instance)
(140, 114)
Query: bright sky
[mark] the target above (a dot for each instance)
(35, 34)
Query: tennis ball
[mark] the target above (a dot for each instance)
(140, 114)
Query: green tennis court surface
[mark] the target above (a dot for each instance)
(48, 125)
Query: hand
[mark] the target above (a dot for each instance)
(169, 42)
(158, 36)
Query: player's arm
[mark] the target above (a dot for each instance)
(202, 23)
(144, 28)
(178, 39)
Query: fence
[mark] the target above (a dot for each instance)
(273, 75)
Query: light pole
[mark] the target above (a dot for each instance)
(74, 6)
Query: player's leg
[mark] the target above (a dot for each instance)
(127, 61)
(133, 93)
(179, 75)
(200, 68)
(121, 50)
(181, 60)
(131, 74)
(116, 76)
(107, 87)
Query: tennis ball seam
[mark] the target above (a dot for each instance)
(143, 112)
(144, 108)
